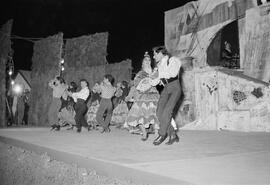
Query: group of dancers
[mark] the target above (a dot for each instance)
(136, 106)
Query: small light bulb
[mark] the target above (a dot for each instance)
(12, 82)
(62, 61)
(10, 72)
(62, 68)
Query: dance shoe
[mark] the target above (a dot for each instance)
(107, 130)
(79, 129)
(173, 139)
(57, 127)
(145, 138)
(159, 140)
(101, 130)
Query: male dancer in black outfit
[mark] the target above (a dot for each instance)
(167, 73)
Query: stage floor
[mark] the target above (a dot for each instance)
(200, 158)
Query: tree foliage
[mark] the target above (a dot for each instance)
(5, 48)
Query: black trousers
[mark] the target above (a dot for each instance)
(167, 101)
(105, 106)
(25, 114)
(80, 110)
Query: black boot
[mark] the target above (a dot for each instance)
(159, 140)
(57, 127)
(65, 124)
(53, 126)
(173, 138)
(79, 128)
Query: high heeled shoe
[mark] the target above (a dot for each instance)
(145, 138)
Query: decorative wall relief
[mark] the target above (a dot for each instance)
(239, 96)
(257, 92)
(211, 85)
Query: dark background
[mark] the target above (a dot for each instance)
(134, 26)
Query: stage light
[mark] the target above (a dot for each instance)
(17, 89)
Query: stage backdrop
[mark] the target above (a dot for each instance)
(85, 57)
(86, 51)
(45, 61)
(120, 71)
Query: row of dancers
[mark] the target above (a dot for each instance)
(136, 106)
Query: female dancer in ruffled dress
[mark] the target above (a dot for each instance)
(143, 111)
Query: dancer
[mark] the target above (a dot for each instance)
(67, 112)
(80, 106)
(107, 91)
(143, 111)
(167, 73)
(93, 105)
(58, 85)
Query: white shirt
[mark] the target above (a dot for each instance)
(171, 70)
(58, 89)
(166, 70)
(107, 90)
(82, 94)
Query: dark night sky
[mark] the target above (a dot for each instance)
(134, 26)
